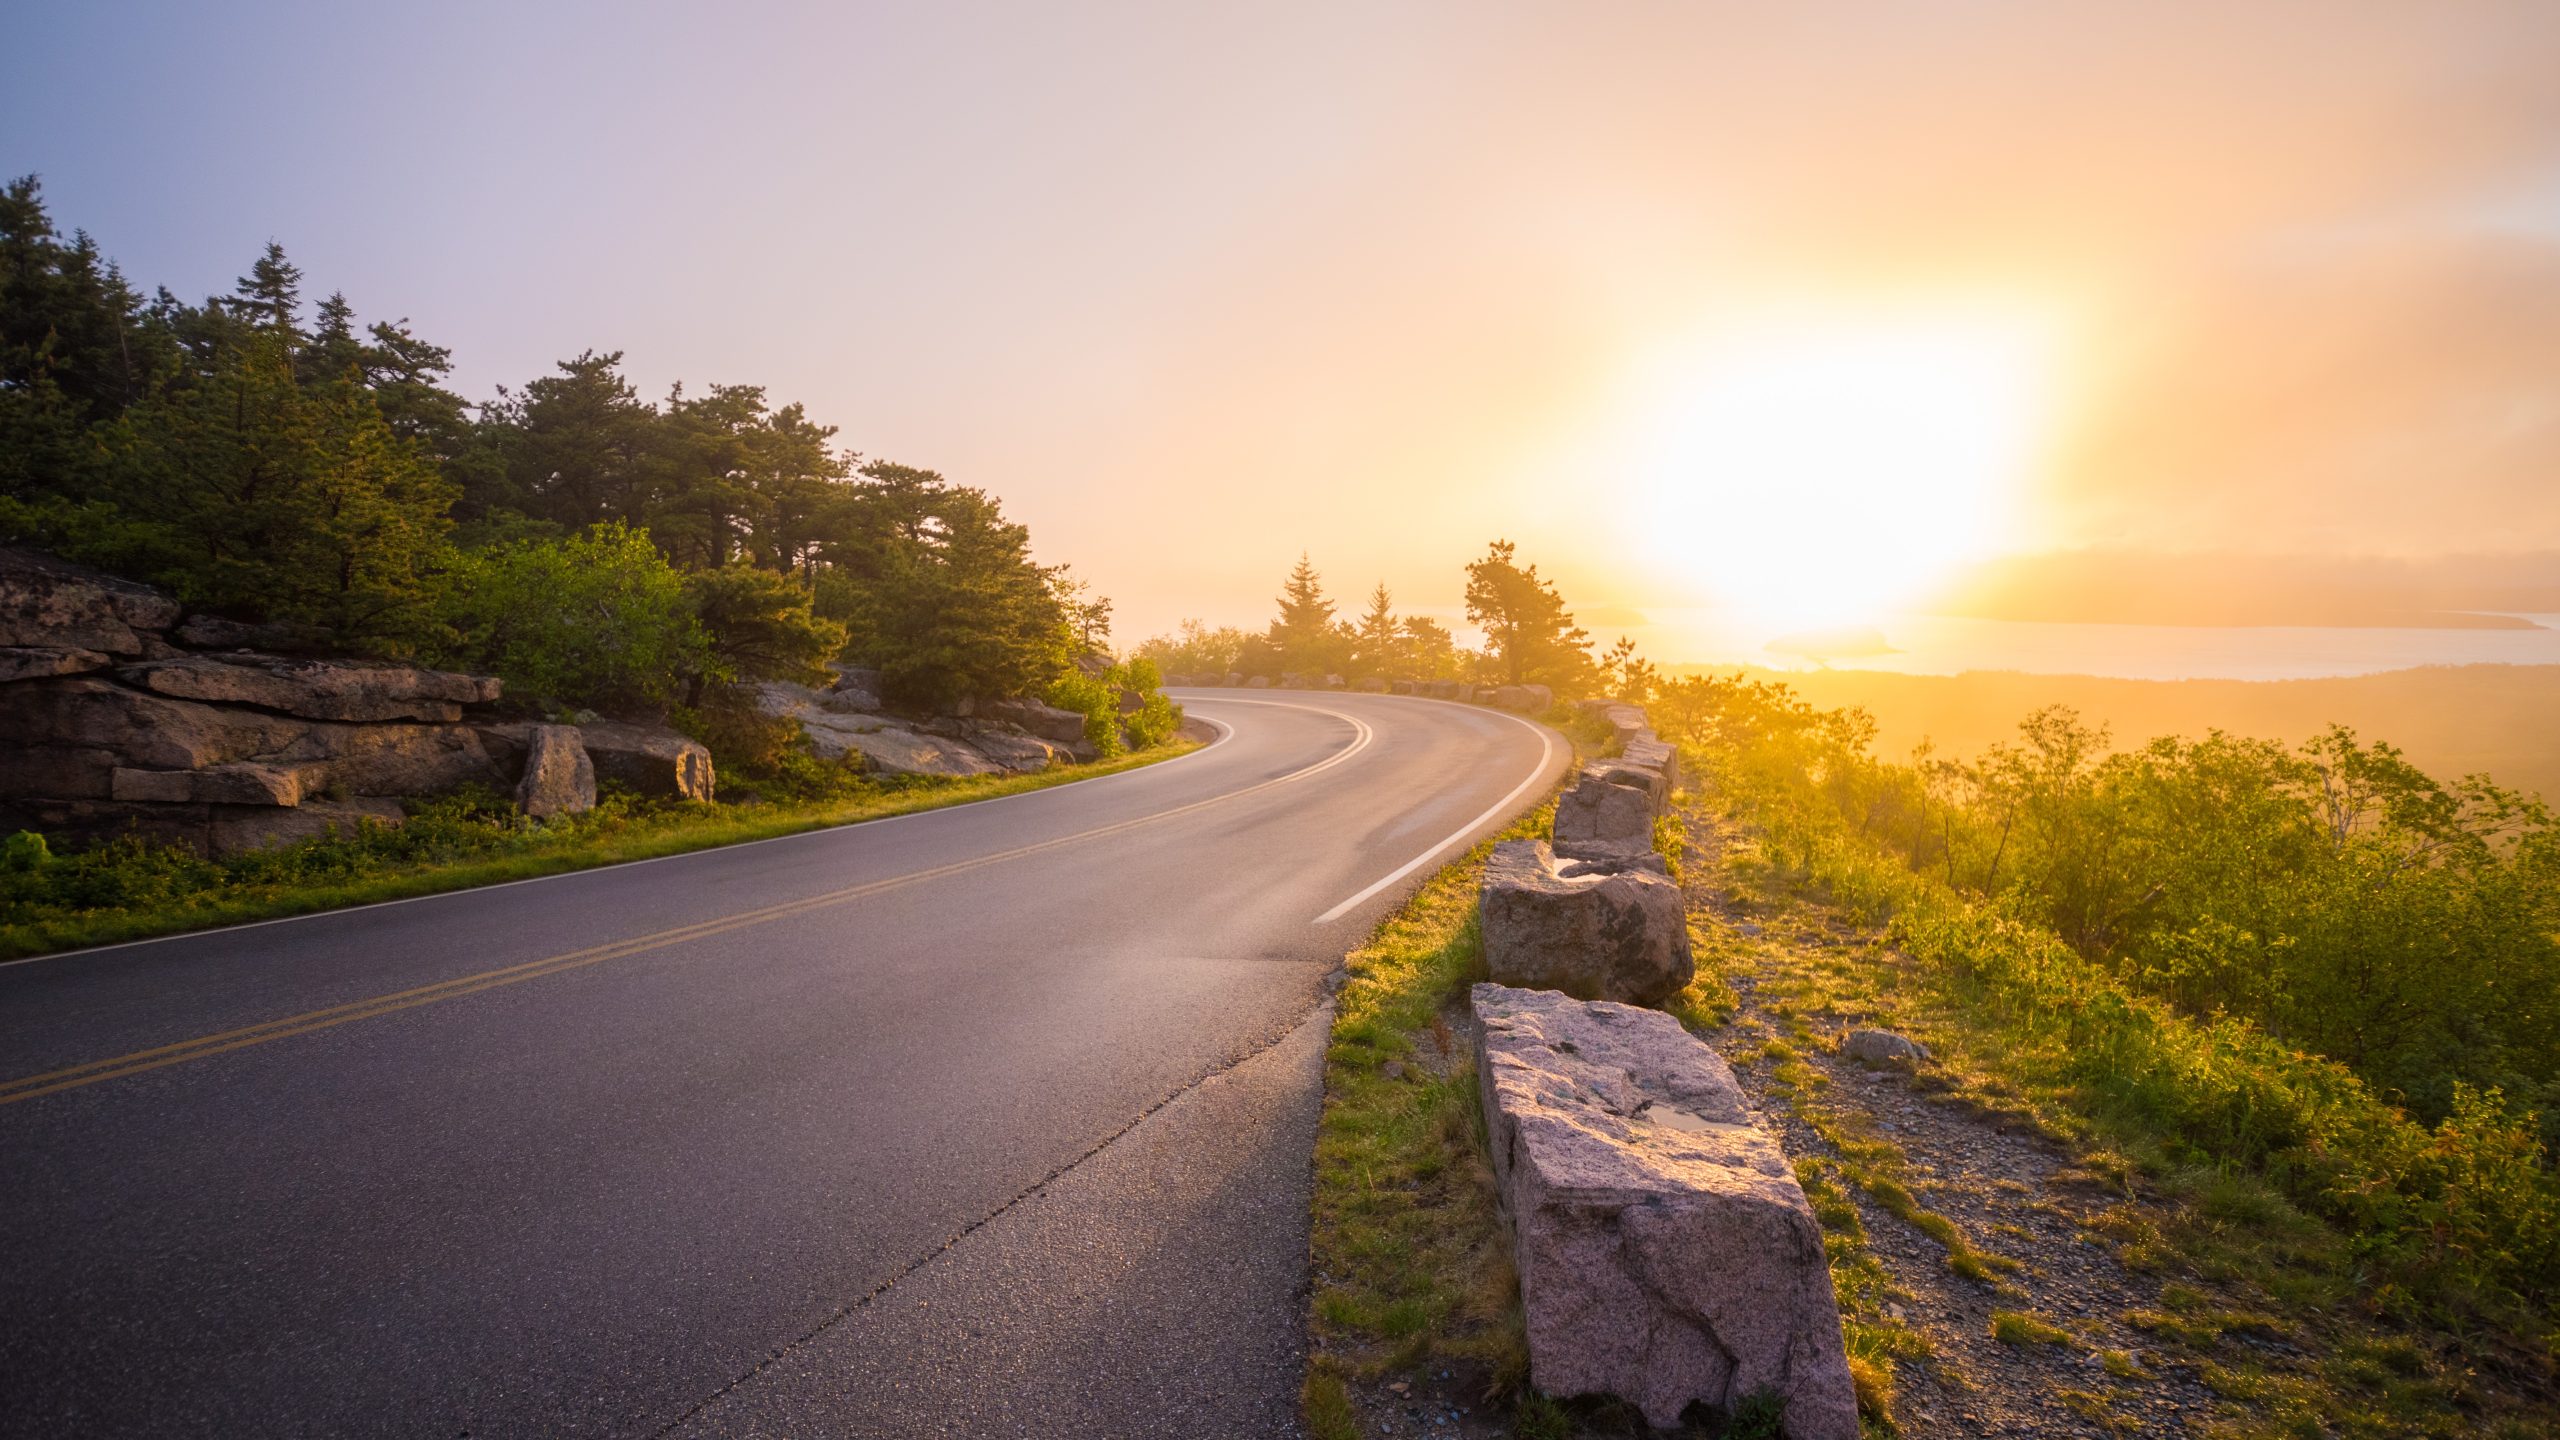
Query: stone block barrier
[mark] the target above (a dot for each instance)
(1666, 1253)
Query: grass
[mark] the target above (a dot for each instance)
(1410, 1261)
(2020, 1327)
(128, 891)
(2299, 1324)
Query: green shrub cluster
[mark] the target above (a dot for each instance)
(1108, 728)
(2459, 1197)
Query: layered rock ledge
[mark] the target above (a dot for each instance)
(1666, 1253)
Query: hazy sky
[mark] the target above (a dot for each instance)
(1196, 286)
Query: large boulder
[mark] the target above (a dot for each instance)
(1626, 723)
(1257, 682)
(1622, 934)
(650, 759)
(1666, 1254)
(316, 689)
(55, 604)
(1059, 727)
(885, 747)
(1409, 687)
(1541, 698)
(1509, 697)
(64, 772)
(1008, 748)
(559, 777)
(1644, 752)
(1372, 685)
(857, 688)
(40, 662)
(1608, 803)
(145, 731)
(243, 784)
(391, 759)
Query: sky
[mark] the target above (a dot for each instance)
(1696, 303)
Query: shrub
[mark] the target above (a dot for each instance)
(758, 626)
(597, 620)
(1097, 701)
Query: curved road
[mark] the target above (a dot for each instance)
(992, 1120)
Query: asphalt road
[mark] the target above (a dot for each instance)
(988, 1121)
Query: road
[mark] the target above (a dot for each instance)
(992, 1120)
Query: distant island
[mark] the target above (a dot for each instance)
(1858, 642)
(2129, 587)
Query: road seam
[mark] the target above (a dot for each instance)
(1320, 1010)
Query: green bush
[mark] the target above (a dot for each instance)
(2157, 934)
(1097, 701)
(758, 626)
(597, 620)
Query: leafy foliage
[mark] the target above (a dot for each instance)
(599, 620)
(2268, 958)
(1529, 634)
(758, 625)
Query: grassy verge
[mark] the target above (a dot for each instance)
(128, 891)
(1414, 1286)
(1410, 1264)
(2330, 1267)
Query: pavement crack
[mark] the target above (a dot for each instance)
(1313, 1013)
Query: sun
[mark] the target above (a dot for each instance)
(1822, 473)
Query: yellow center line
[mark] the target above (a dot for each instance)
(53, 1082)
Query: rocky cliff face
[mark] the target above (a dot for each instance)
(120, 714)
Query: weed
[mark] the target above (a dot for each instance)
(2018, 1327)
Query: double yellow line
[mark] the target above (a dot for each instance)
(54, 1082)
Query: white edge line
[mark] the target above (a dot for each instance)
(1546, 749)
(1226, 732)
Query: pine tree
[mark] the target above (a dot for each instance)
(1305, 636)
(1529, 632)
(1381, 638)
(269, 297)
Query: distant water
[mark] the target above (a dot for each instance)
(1943, 645)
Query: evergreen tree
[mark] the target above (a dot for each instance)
(759, 627)
(1429, 648)
(569, 449)
(941, 593)
(248, 494)
(1531, 636)
(1304, 636)
(269, 297)
(1381, 637)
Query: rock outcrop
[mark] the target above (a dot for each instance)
(315, 689)
(999, 739)
(650, 759)
(1609, 805)
(52, 603)
(559, 776)
(121, 715)
(1666, 1253)
(1597, 932)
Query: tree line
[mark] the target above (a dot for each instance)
(285, 462)
(1530, 637)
